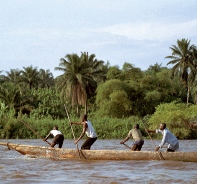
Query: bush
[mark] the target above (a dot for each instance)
(177, 117)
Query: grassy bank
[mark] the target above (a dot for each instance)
(178, 118)
(29, 128)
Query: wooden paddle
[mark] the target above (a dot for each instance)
(72, 130)
(160, 155)
(127, 146)
(34, 131)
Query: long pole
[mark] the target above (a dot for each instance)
(34, 131)
(160, 155)
(127, 146)
(72, 130)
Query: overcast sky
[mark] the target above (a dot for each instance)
(140, 32)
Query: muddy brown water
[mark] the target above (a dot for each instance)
(17, 168)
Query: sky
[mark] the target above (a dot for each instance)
(39, 33)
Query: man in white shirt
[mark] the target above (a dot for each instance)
(168, 137)
(58, 137)
(88, 130)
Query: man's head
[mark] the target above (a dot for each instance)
(162, 126)
(55, 128)
(136, 126)
(84, 117)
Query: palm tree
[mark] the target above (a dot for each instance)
(95, 70)
(80, 77)
(30, 76)
(194, 88)
(71, 82)
(94, 74)
(46, 78)
(12, 76)
(10, 94)
(184, 65)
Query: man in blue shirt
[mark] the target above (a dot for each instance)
(168, 137)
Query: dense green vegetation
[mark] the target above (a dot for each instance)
(113, 98)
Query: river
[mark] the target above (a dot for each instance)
(17, 168)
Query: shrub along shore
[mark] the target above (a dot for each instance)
(29, 128)
(177, 116)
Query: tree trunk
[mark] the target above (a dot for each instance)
(86, 106)
(77, 110)
(188, 91)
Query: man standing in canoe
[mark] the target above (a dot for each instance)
(58, 137)
(88, 130)
(168, 137)
(137, 137)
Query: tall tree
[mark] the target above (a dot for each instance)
(10, 94)
(184, 65)
(95, 73)
(46, 79)
(70, 83)
(30, 76)
(130, 73)
(79, 78)
(113, 100)
(12, 76)
(114, 73)
(194, 88)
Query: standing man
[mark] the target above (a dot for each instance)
(58, 137)
(168, 137)
(88, 130)
(137, 137)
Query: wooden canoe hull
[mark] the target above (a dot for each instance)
(62, 153)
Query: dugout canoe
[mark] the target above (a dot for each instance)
(64, 153)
